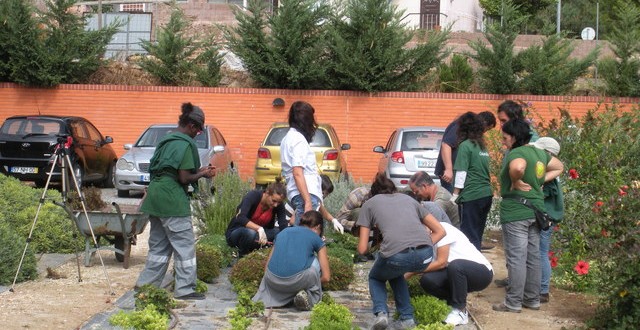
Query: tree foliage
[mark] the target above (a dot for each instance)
(369, 49)
(285, 50)
(47, 48)
(495, 8)
(622, 74)
(456, 77)
(549, 69)
(178, 58)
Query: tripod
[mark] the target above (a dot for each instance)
(61, 157)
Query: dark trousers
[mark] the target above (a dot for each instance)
(246, 239)
(473, 218)
(454, 282)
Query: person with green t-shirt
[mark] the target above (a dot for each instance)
(525, 170)
(472, 183)
(174, 166)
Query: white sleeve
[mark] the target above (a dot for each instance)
(461, 176)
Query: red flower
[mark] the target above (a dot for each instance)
(599, 203)
(573, 173)
(621, 192)
(556, 228)
(554, 262)
(624, 187)
(551, 254)
(596, 206)
(582, 267)
(604, 233)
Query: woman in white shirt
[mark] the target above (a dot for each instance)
(457, 269)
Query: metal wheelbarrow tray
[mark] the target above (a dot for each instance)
(123, 227)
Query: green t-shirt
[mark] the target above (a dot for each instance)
(537, 160)
(475, 161)
(166, 197)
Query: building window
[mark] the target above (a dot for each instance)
(133, 7)
(231, 2)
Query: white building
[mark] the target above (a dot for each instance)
(461, 15)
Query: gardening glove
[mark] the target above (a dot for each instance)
(262, 236)
(337, 226)
(454, 198)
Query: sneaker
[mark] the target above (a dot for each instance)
(191, 296)
(381, 322)
(360, 258)
(301, 301)
(457, 317)
(403, 324)
(535, 308)
(502, 283)
(503, 308)
(544, 297)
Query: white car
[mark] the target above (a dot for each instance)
(409, 150)
(132, 169)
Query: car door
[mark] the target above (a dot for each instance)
(221, 156)
(83, 146)
(383, 163)
(102, 150)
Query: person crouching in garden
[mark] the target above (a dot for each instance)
(458, 268)
(297, 266)
(254, 223)
(406, 247)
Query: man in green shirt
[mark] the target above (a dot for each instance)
(174, 166)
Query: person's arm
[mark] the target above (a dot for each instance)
(437, 231)
(516, 172)
(186, 177)
(363, 242)
(446, 151)
(337, 226)
(301, 184)
(441, 259)
(323, 259)
(554, 169)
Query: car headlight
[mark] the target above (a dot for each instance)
(124, 165)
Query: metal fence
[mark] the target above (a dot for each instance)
(127, 41)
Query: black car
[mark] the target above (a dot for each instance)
(28, 145)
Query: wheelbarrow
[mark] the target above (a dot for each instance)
(122, 227)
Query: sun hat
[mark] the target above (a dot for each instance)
(548, 144)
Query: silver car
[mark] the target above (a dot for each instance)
(132, 169)
(410, 149)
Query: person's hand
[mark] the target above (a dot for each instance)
(447, 176)
(262, 236)
(337, 226)
(454, 198)
(521, 186)
(208, 171)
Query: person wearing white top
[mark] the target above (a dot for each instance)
(457, 269)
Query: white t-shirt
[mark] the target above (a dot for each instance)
(460, 247)
(296, 151)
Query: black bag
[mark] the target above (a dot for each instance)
(543, 220)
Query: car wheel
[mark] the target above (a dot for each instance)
(110, 179)
(123, 193)
(119, 244)
(78, 172)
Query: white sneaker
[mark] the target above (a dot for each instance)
(381, 322)
(457, 317)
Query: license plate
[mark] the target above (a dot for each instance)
(24, 170)
(145, 178)
(424, 163)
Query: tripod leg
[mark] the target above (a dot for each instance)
(86, 214)
(35, 219)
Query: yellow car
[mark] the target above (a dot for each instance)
(325, 144)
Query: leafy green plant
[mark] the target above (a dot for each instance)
(148, 318)
(151, 295)
(246, 308)
(456, 77)
(209, 261)
(330, 316)
(341, 274)
(220, 243)
(201, 287)
(429, 309)
(216, 210)
(11, 248)
(247, 273)
(434, 326)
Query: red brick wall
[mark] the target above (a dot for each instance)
(244, 115)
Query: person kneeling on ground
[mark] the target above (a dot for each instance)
(297, 266)
(458, 268)
(254, 223)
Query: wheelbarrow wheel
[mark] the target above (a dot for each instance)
(119, 244)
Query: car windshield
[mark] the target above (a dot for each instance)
(31, 126)
(421, 140)
(320, 139)
(153, 135)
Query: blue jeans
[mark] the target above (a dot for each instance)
(298, 203)
(246, 239)
(545, 264)
(522, 251)
(392, 269)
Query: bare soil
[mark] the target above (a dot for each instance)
(66, 303)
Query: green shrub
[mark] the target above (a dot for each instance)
(216, 211)
(246, 308)
(341, 274)
(220, 243)
(456, 77)
(201, 286)
(11, 248)
(208, 258)
(434, 326)
(415, 290)
(330, 316)
(159, 298)
(247, 273)
(341, 253)
(148, 318)
(429, 309)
